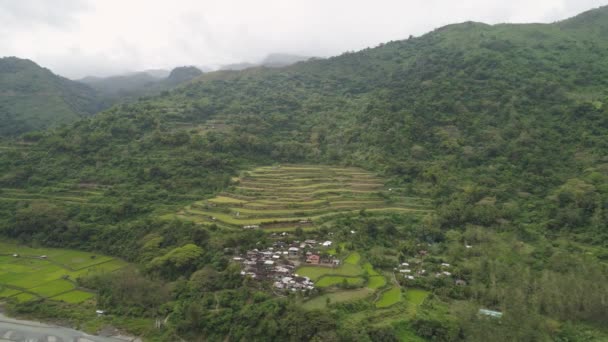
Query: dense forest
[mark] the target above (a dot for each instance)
(504, 127)
(33, 98)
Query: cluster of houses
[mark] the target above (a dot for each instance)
(279, 262)
(415, 269)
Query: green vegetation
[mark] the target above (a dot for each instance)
(414, 298)
(389, 297)
(353, 259)
(479, 146)
(376, 282)
(316, 272)
(74, 297)
(292, 196)
(321, 302)
(129, 87)
(328, 281)
(34, 98)
(49, 273)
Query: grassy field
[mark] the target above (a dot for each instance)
(415, 297)
(353, 258)
(316, 272)
(369, 269)
(303, 196)
(328, 281)
(320, 302)
(74, 297)
(48, 272)
(389, 297)
(376, 282)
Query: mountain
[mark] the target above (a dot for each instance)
(275, 60)
(157, 73)
(121, 84)
(182, 75)
(238, 66)
(130, 86)
(33, 98)
(500, 128)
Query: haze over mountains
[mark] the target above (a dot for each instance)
(34, 98)
(500, 129)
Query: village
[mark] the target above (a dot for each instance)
(420, 268)
(280, 262)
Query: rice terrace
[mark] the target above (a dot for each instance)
(286, 198)
(283, 198)
(32, 273)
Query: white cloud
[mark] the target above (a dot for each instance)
(100, 37)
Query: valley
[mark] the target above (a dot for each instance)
(446, 187)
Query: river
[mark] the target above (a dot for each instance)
(27, 331)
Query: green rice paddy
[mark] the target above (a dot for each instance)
(320, 302)
(316, 272)
(328, 281)
(376, 282)
(389, 297)
(28, 273)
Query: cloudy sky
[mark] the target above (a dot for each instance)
(100, 37)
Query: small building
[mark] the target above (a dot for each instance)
(313, 259)
(490, 313)
(293, 251)
(281, 269)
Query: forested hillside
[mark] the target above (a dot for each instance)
(33, 98)
(503, 127)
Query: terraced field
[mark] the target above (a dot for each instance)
(30, 273)
(287, 197)
(68, 194)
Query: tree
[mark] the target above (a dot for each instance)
(179, 261)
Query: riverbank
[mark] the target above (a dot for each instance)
(12, 329)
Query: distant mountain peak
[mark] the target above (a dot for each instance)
(593, 20)
(282, 59)
(183, 74)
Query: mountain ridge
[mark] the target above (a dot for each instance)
(35, 98)
(501, 128)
